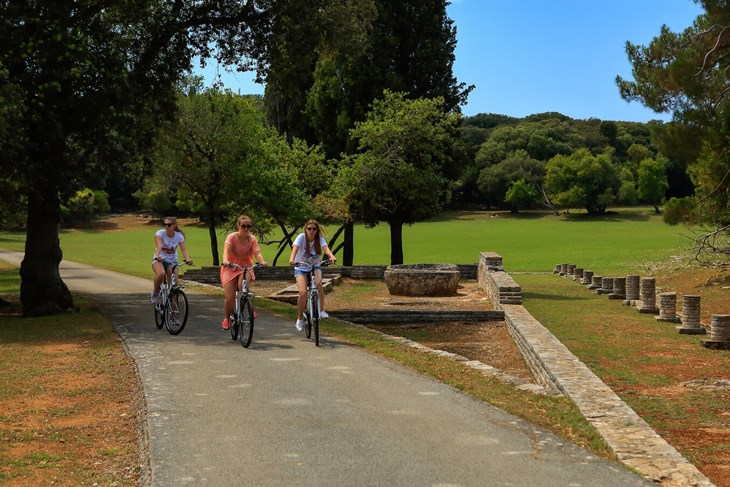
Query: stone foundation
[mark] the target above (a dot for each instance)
(422, 279)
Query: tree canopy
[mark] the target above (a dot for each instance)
(685, 73)
(86, 85)
(397, 177)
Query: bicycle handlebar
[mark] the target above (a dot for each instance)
(168, 261)
(323, 263)
(236, 266)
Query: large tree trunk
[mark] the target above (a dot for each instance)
(348, 252)
(213, 239)
(42, 291)
(396, 242)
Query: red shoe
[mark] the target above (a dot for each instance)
(225, 325)
(255, 315)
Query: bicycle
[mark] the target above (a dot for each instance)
(242, 320)
(311, 311)
(171, 309)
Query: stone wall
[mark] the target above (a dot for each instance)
(211, 274)
(499, 286)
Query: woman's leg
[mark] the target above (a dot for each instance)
(228, 302)
(159, 271)
(302, 299)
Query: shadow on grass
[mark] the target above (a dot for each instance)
(609, 217)
(526, 296)
(622, 215)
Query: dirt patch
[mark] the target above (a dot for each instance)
(488, 342)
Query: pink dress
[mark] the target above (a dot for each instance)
(240, 252)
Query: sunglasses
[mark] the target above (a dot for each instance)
(245, 225)
(312, 229)
(169, 224)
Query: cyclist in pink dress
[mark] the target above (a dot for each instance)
(240, 248)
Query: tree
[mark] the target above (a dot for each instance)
(406, 46)
(89, 83)
(686, 73)
(397, 178)
(213, 134)
(495, 181)
(653, 182)
(583, 179)
(519, 195)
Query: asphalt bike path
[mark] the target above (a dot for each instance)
(284, 412)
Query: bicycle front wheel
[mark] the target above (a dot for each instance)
(315, 318)
(159, 316)
(176, 312)
(233, 321)
(245, 332)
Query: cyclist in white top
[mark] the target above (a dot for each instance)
(167, 240)
(307, 248)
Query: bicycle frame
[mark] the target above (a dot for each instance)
(167, 288)
(242, 321)
(312, 306)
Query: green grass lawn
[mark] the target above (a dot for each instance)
(533, 241)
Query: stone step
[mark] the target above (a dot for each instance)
(415, 316)
(290, 294)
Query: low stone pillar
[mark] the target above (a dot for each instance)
(606, 286)
(632, 290)
(720, 328)
(719, 333)
(691, 316)
(570, 270)
(619, 288)
(578, 274)
(563, 269)
(556, 269)
(647, 293)
(596, 282)
(587, 277)
(668, 307)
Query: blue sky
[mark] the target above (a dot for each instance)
(533, 56)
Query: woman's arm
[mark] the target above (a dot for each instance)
(226, 246)
(329, 253)
(158, 246)
(294, 250)
(185, 252)
(260, 258)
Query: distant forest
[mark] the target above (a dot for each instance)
(497, 150)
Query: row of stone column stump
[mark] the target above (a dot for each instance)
(640, 292)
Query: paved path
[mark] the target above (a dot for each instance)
(287, 413)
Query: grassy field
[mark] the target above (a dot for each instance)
(533, 241)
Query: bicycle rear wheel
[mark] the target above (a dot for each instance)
(246, 328)
(176, 311)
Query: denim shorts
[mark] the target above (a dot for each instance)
(166, 264)
(300, 272)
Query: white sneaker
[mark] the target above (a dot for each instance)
(323, 315)
(300, 325)
(153, 298)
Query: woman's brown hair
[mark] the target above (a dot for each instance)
(317, 246)
(173, 220)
